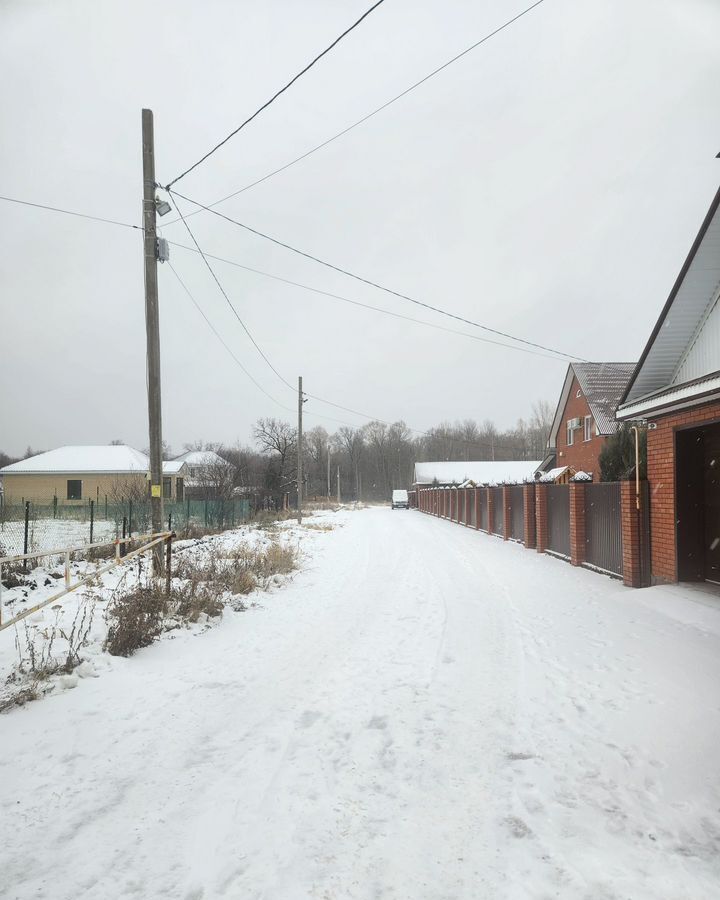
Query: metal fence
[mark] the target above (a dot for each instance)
(497, 524)
(517, 512)
(558, 519)
(603, 527)
(472, 494)
(483, 510)
(32, 525)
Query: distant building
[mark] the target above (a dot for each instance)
(207, 473)
(585, 415)
(75, 475)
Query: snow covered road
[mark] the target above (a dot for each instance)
(425, 713)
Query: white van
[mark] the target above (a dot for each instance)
(400, 500)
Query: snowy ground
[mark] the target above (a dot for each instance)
(423, 713)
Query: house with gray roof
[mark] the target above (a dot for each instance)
(585, 415)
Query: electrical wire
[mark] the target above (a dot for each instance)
(358, 303)
(374, 284)
(476, 444)
(370, 115)
(223, 342)
(70, 212)
(237, 361)
(277, 94)
(227, 299)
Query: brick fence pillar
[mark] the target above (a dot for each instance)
(529, 516)
(577, 523)
(541, 518)
(490, 510)
(476, 501)
(457, 506)
(631, 536)
(507, 512)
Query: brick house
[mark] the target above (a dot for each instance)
(676, 390)
(585, 415)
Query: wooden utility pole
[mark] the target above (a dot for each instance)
(338, 484)
(152, 328)
(328, 472)
(299, 451)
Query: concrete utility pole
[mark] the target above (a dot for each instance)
(152, 328)
(338, 484)
(299, 451)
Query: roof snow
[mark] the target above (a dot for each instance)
(112, 460)
(201, 458)
(484, 472)
(603, 385)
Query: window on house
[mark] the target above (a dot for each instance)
(167, 488)
(570, 439)
(179, 489)
(74, 489)
(587, 431)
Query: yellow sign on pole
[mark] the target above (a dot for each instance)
(156, 491)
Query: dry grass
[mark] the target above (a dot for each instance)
(135, 620)
(319, 526)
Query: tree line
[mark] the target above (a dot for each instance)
(368, 462)
(364, 463)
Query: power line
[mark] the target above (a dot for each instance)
(374, 284)
(222, 340)
(379, 309)
(277, 94)
(70, 212)
(229, 303)
(315, 396)
(370, 115)
(237, 361)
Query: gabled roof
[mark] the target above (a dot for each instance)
(602, 385)
(112, 460)
(201, 458)
(482, 472)
(688, 324)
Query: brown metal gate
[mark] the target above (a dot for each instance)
(558, 519)
(603, 527)
(496, 526)
(517, 512)
(484, 509)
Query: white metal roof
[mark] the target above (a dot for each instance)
(481, 472)
(201, 458)
(113, 460)
(685, 343)
(88, 460)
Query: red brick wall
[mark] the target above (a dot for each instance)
(661, 478)
(582, 455)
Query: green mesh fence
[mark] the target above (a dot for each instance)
(52, 523)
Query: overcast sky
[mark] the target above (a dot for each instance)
(549, 184)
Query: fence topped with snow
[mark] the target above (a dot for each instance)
(478, 473)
